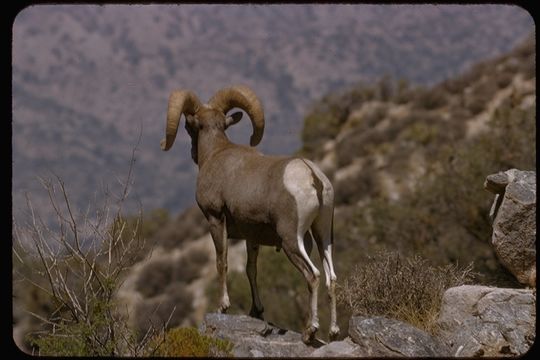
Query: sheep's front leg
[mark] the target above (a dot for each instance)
(218, 230)
(251, 270)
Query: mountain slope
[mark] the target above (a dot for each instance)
(87, 78)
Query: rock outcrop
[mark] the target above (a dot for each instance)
(255, 338)
(486, 321)
(514, 222)
(379, 336)
(343, 348)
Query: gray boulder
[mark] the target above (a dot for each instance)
(255, 338)
(379, 336)
(514, 222)
(486, 321)
(344, 348)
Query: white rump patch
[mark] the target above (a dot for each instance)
(299, 182)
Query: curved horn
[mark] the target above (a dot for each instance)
(244, 98)
(180, 102)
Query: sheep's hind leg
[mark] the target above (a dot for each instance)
(300, 260)
(218, 230)
(251, 269)
(322, 233)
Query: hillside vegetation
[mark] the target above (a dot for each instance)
(408, 165)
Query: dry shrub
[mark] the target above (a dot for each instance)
(528, 68)
(188, 226)
(430, 99)
(527, 48)
(357, 144)
(154, 278)
(323, 121)
(404, 92)
(168, 309)
(407, 289)
(189, 267)
(476, 103)
(504, 79)
(198, 257)
(458, 84)
(75, 268)
(354, 188)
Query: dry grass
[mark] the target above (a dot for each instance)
(408, 289)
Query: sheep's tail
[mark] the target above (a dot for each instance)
(332, 229)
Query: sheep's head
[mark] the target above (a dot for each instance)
(213, 114)
(207, 119)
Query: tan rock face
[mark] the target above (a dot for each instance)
(514, 222)
(381, 337)
(486, 321)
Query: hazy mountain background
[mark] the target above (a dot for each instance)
(87, 78)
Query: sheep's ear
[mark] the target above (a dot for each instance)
(192, 121)
(233, 119)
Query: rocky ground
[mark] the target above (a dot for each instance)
(474, 320)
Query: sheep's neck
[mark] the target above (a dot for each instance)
(210, 142)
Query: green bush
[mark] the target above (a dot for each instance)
(77, 338)
(188, 342)
(408, 289)
(62, 345)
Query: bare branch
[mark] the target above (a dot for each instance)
(82, 259)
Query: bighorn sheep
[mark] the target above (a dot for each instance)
(266, 200)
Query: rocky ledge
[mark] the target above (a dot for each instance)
(474, 321)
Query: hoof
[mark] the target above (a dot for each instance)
(334, 333)
(308, 335)
(258, 314)
(222, 309)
